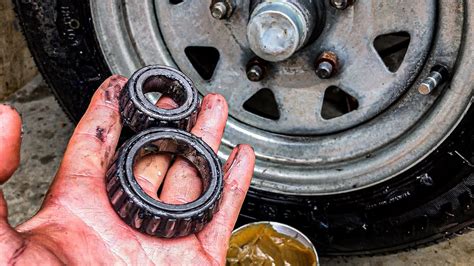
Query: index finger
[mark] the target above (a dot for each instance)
(95, 138)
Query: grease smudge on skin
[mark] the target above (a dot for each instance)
(99, 133)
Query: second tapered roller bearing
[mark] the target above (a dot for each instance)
(154, 217)
(139, 113)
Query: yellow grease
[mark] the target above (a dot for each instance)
(260, 244)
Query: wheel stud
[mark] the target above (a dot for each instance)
(255, 70)
(324, 70)
(437, 76)
(221, 9)
(341, 4)
(326, 65)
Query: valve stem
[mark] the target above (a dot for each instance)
(436, 77)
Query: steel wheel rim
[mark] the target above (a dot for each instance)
(314, 165)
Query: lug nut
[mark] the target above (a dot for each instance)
(221, 9)
(341, 4)
(255, 73)
(324, 70)
(437, 76)
(255, 70)
(326, 65)
(218, 10)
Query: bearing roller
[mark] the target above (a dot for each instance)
(154, 217)
(139, 113)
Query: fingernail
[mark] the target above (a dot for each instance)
(112, 87)
(7, 105)
(212, 101)
(13, 108)
(206, 104)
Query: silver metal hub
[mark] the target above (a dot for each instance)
(377, 124)
(277, 29)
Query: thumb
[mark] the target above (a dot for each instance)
(10, 140)
(11, 242)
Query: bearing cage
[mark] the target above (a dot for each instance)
(153, 217)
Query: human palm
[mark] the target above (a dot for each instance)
(76, 224)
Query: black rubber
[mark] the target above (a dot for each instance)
(153, 217)
(428, 203)
(139, 113)
(431, 202)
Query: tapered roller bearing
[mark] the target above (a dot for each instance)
(139, 112)
(154, 217)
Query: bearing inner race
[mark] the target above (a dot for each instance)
(167, 82)
(166, 87)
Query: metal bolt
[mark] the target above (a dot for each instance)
(341, 4)
(437, 76)
(326, 65)
(324, 70)
(219, 10)
(256, 69)
(255, 72)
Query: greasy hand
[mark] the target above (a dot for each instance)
(76, 224)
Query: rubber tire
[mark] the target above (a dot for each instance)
(430, 202)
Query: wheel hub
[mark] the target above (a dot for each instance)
(363, 124)
(304, 103)
(276, 30)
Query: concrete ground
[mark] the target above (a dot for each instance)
(16, 64)
(46, 133)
